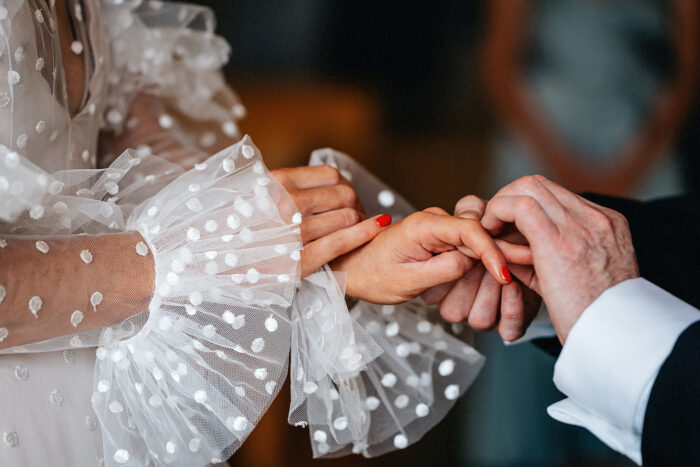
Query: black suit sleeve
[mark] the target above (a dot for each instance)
(671, 433)
(666, 239)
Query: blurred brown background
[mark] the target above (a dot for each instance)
(450, 97)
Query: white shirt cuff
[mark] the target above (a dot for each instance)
(611, 358)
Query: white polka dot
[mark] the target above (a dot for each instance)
(121, 456)
(452, 392)
(200, 396)
(258, 345)
(271, 324)
(446, 367)
(76, 318)
(400, 441)
(76, 47)
(247, 151)
(86, 256)
(392, 329)
(372, 403)
(320, 436)
(422, 410)
(42, 246)
(401, 401)
(237, 424)
(389, 380)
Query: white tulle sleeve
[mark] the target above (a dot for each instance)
(185, 379)
(374, 378)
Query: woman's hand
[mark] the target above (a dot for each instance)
(477, 297)
(421, 252)
(331, 214)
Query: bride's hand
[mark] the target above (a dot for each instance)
(331, 214)
(421, 252)
(478, 298)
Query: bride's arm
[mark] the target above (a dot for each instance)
(54, 287)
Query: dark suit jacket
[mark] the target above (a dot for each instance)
(666, 238)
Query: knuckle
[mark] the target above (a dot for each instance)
(349, 194)
(331, 173)
(481, 321)
(527, 204)
(350, 216)
(528, 182)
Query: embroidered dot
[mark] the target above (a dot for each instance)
(95, 299)
(296, 218)
(320, 436)
(21, 373)
(91, 423)
(446, 367)
(35, 304)
(39, 16)
(196, 298)
(228, 165)
(211, 226)
(200, 396)
(39, 65)
(85, 155)
(116, 407)
(295, 255)
(170, 447)
(13, 77)
(86, 256)
(230, 129)
(121, 456)
(258, 345)
(233, 221)
(231, 259)
(422, 410)
(42, 246)
(209, 331)
(103, 386)
(271, 324)
(37, 212)
(340, 423)
(424, 327)
(3, 334)
(243, 207)
(401, 401)
(400, 441)
(56, 397)
(237, 424)
(193, 234)
(452, 392)
(76, 318)
(3, 293)
(310, 387)
(10, 438)
(372, 403)
(3, 243)
(389, 380)
(3, 12)
(386, 198)
(260, 373)
(194, 205)
(22, 140)
(247, 151)
(392, 329)
(282, 278)
(76, 47)
(194, 444)
(141, 249)
(69, 356)
(165, 121)
(211, 268)
(193, 187)
(253, 276)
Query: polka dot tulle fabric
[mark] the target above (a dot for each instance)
(184, 378)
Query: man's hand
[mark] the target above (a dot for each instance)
(477, 297)
(579, 249)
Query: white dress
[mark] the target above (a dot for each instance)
(185, 380)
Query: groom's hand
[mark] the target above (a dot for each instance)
(478, 299)
(579, 249)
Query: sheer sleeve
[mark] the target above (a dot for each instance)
(374, 378)
(167, 94)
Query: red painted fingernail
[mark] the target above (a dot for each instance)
(383, 220)
(506, 274)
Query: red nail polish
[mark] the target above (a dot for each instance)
(383, 220)
(506, 274)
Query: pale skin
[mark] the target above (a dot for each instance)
(579, 250)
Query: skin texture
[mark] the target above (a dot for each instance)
(478, 299)
(420, 252)
(579, 249)
(65, 283)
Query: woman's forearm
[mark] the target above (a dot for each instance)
(59, 286)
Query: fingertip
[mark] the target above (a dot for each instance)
(383, 220)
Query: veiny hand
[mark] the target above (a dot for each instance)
(579, 249)
(328, 205)
(477, 297)
(421, 252)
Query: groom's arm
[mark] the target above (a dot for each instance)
(666, 239)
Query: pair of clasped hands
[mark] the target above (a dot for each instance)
(560, 246)
(459, 261)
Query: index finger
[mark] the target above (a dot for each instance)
(523, 211)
